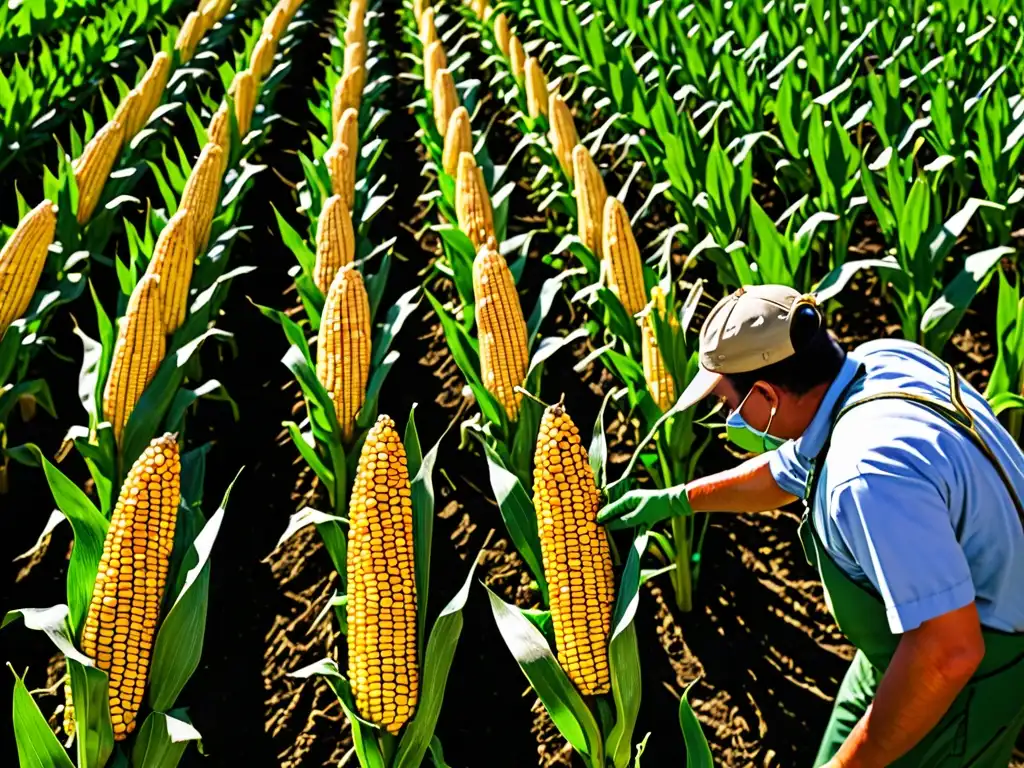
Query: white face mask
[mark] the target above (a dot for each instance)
(746, 437)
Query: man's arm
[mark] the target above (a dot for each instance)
(750, 487)
(931, 666)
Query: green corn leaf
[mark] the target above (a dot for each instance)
(698, 754)
(37, 746)
(163, 739)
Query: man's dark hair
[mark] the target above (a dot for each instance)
(817, 359)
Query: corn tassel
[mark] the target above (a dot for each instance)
(173, 259)
(189, 35)
(343, 346)
(139, 349)
(428, 30)
(202, 193)
(335, 242)
(382, 645)
(121, 624)
(516, 58)
(262, 59)
(93, 166)
(445, 99)
(501, 330)
(472, 201)
(577, 558)
(621, 257)
(348, 93)
(433, 59)
(563, 134)
(536, 89)
(590, 194)
(243, 91)
(342, 156)
(659, 380)
(501, 33)
(151, 88)
(22, 260)
(457, 140)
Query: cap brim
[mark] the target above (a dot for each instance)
(699, 387)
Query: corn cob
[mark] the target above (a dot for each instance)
(445, 99)
(659, 380)
(355, 27)
(433, 59)
(457, 140)
(516, 58)
(152, 88)
(121, 624)
(69, 708)
(219, 130)
(335, 242)
(173, 259)
(563, 134)
(208, 16)
(138, 351)
(417, 11)
(202, 193)
(189, 35)
(125, 111)
(382, 646)
(262, 59)
(343, 346)
(93, 166)
(243, 91)
(577, 559)
(590, 196)
(480, 7)
(501, 329)
(536, 89)
(472, 202)
(621, 256)
(275, 23)
(501, 33)
(355, 56)
(428, 31)
(341, 158)
(22, 260)
(347, 93)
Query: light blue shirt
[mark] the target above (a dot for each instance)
(906, 503)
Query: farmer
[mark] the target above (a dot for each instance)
(913, 518)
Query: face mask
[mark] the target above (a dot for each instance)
(746, 437)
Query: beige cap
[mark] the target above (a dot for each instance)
(747, 330)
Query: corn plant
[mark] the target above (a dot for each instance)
(1005, 389)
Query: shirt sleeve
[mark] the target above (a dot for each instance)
(789, 469)
(899, 532)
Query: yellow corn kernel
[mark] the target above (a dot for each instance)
(536, 89)
(121, 624)
(577, 558)
(93, 166)
(243, 91)
(563, 134)
(621, 257)
(348, 93)
(173, 259)
(335, 242)
(342, 156)
(125, 111)
(590, 194)
(428, 31)
(69, 708)
(219, 130)
(472, 201)
(139, 349)
(262, 60)
(189, 35)
(458, 139)
(433, 59)
(501, 329)
(382, 646)
(22, 260)
(343, 346)
(516, 58)
(151, 88)
(660, 383)
(445, 99)
(501, 32)
(202, 193)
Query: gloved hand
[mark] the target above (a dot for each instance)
(645, 508)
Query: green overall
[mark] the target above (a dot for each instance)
(982, 724)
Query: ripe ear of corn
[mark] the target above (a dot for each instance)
(243, 91)
(621, 255)
(189, 35)
(501, 330)
(590, 194)
(22, 260)
(458, 139)
(93, 166)
(152, 88)
(262, 59)
(382, 645)
(577, 558)
(219, 130)
(445, 99)
(355, 56)
(428, 31)
(335, 242)
(126, 110)
(418, 6)
(501, 33)
(342, 156)
(536, 89)
(472, 201)
(275, 23)
(202, 193)
(121, 624)
(355, 26)
(433, 59)
(138, 351)
(343, 346)
(659, 380)
(173, 259)
(517, 58)
(563, 134)
(348, 93)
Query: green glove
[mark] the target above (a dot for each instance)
(645, 508)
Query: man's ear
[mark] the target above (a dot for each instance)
(768, 393)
